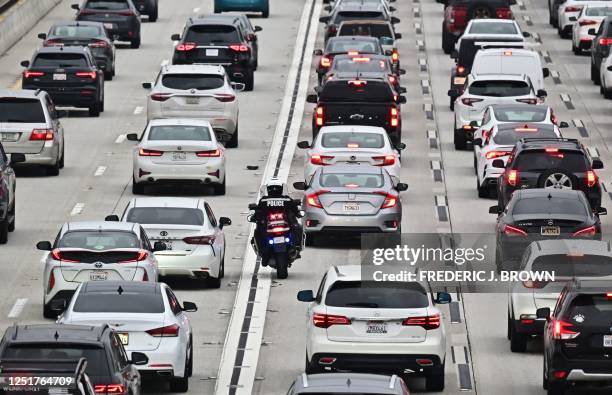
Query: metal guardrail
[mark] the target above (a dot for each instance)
(5, 4)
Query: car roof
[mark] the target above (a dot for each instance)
(569, 246)
(483, 20)
(61, 49)
(365, 21)
(347, 382)
(216, 19)
(514, 125)
(167, 202)
(179, 122)
(352, 38)
(541, 143)
(21, 93)
(127, 286)
(365, 7)
(193, 69)
(352, 168)
(77, 23)
(502, 51)
(498, 76)
(352, 129)
(544, 192)
(519, 107)
(380, 75)
(50, 333)
(371, 56)
(100, 225)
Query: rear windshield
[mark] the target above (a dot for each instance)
(60, 60)
(177, 132)
(100, 241)
(511, 136)
(493, 28)
(499, 88)
(96, 357)
(377, 30)
(360, 64)
(468, 49)
(361, 91)
(21, 110)
(193, 81)
(352, 15)
(533, 114)
(351, 180)
(352, 140)
(555, 206)
(76, 31)
(112, 302)
(212, 34)
(166, 216)
(574, 265)
(598, 11)
(107, 4)
(376, 294)
(360, 46)
(538, 160)
(595, 309)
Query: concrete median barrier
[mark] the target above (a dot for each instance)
(20, 18)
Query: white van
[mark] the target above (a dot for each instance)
(511, 61)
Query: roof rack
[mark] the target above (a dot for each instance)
(559, 139)
(392, 381)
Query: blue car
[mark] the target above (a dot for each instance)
(262, 6)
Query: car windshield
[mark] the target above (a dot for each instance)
(193, 81)
(357, 91)
(372, 30)
(342, 16)
(359, 46)
(499, 88)
(19, 110)
(377, 295)
(492, 28)
(598, 11)
(110, 5)
(96, 356)
(99, 240)
(76, 31)
(212, 34)
(532, 114)
(574, 265)
(113, 302)
(540, 160)
(60, 60)
(352, 140)
(549, 205)
(360, 64)
(166, 216)
(511, 136)
(351, 180)
(179, 132)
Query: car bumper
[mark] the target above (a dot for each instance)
(82, 96)
(211, 172)
(319, 221)
(167, 360)
(48, 156)
(200, 264)
(581, 372)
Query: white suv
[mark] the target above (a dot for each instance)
(390, 327)
(197, 91)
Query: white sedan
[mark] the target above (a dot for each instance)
(147, 317)
(605, 74)
(588, 21)
(567, 14)
(194, 238)
(352, 144)
(178, 151)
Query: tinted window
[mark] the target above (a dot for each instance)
(351, 180)
(493, 28)
(468, 49)
(107, 4)
(352, 15)
(177, 132)
(60, 60)
(357, 91)
(598, 11)
(376, 294)
(540, 161)
(193, 81)
(534, 114)
(21, 110)
(596, 308)
(96, 357)
(104, 240)
(554, 205)
(574, 265)
(377, 30)
(498, 88)
(166, 216)
(361, 46)
(361, 64)
(76, 31)
(210, 34)
(352, 140)
(112, 302)
(511, 136)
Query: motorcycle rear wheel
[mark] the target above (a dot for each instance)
(282, 261)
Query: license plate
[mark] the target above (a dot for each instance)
(351, 207)
(607, 341)
(550, 231)
(109, 26)
(376, 327)
(179, 156)
(459, 80)
(124, 337)
(59, 77)
(193, 100)
(212, 52)
(279, 240)
(98, 276)
(9, 136)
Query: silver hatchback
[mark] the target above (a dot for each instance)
(351, 198)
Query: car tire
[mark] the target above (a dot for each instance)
(282, 264)
(213, 282)
(434, 379)
(48, 313)
(190, 361)
(94, 110)
(179, 384)
(451, 103)
(551, 21)
(108, 75)
(556, 388)
(310, 368)
(11, 225)
(575, 49)
(154, 14)
(607, 93)
(508, 327)
(135, 43)
(266, 11)
(233, 142)
(448, 41)
(460, 141)
(475, 166)
(137, 188)
(544, 378)
(219, 189)
(61, 160)
(483, 191)
(518, 341)
(53, 170)
(249, 82)
(311, 239)
(594, 75)
(498, 266)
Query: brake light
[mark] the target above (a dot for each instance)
(458, 18)
(514, 231)
(460, 69)
(98, 44)
(503, 13)
(361, 60)
(320, 159)
(319, 116)
(186, 47)
(332, 29)
(513, 177)
(165, 331)
(551, 150)
(209, 154)
(428, 322)
(528, 101)
(278, 216)
(561, 330)
(145, 276)
(586, 232)
(525, 129)
(208, 240)
(313, 199)
(87, 74)
(86, 12)
(487, 133)
(225, 97)
(395, 56)
(507, 53)
(57, 255)
(352, 145)
(149, 152)
(390, 200)
(357, 82)
(325, 62)
(109, 389)
(353, 53)
(609, 295)
(160, 96)
(587, 22)
(392, 79)
(141, 256)
(394, 114)
(327, 320)
(351, 185)
(605, 41)
(468, 101)
(239, 48)
(30, 74)
(572, 8)
(591, 178)
(496, 154)
(51, 283)
(386, 160)
(41, 135)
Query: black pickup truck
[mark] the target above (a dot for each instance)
(358, 101)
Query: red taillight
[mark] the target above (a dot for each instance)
(57, 255)
(605, 41)
(496, 154)
(276, 216)
(428, 322)
(320, 159)
(468, 101)
(145, 276)
(313, 199)
(514, 231)
(587, 22)
(357, 82)
(319, 116)
(586, 232)
(551, 150)
(209, 154)
(30, 74)
(86, 12)
(239, 48)
(487, 133)
(140, 256)
(332, 29)
(53, 43)
(186, 47)
(503, 13)
(525, 129)
(394, 115)
(87, 74)
(458, 17)
(395, 56)
(209, 240)
(353, 53)
(160, 96)
(41, 135)
(51, 283)
(98, 44)
(149, 152)
(561, 330)
(225, 97)
(591, 178)
(361, 60)
(534, 284)
(460, 70)
(386, 160)
(560, 374)
(390, 200)
(513, 177)
(327, 320)
(528, 101)
(166, 331)
(572, 8)
(392, 79)
(126, 13)
(325, 62)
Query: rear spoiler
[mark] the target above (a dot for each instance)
(505, 44)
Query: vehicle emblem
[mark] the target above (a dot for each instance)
(193, 91)
(550, 222)
(353, 157)
(106, 15)
(376, 314)
(352, 196)
(179, 148)
(357, 116)
(117, 324)
(98, 265)
(163, 233)
(579, 318)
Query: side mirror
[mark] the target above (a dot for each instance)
(305, 296)
(597, 164)
(494, 210)
(44, 246)
(388, 52)
(251, 37)
(563, 125)
(42, 36)
(17, 158)
(541, 93)
(190, 307)
(400, 146)
(132, 137)
(159, 246)
(238, 86)
(317, 52)
(401, 71)
(401, 187)
(592, 32)
(477, 142)
(58, 305)
(25, 63)
(324, 19)
(252, 206)
(392, 9)
(300, 185)
(443, 298)
(147, 85)
(398, 36)
(75, 7)
(498, 164)
(395, 20)
(401, 99)
(526, 34)
(474, 124)
(312, 98)
(601, 211)
(175, 37)
(327, 8)
(257, 28)
(402, 89)
(112, 218)
(454, 54)
(454, 92)
(303, 144)
(139, 358)
(545, 72)
(224, 221)
(543, 312)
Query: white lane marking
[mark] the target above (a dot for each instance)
(441, 200)
(138, 110)
(164, 62)
(99, 171)
(459, 353)
(519, 3)
(578, 123)
(17, 307)
(565, 97)
(77, 209)
(258, 315)
(432, 134)
(120, 139)
(554, 73)
(196, 10)
(436, 165)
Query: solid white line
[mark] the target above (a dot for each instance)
(258, 316)
(77, 209)
(120, 139)
(175, 43)
(17, 307)
(99, 171)
(138, 110)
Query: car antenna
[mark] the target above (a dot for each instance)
(348, 382)
(56, 336)
(120, 290)
(549, 196)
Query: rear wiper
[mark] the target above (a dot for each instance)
(362, 304)
(13, 120)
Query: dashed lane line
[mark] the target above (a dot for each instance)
(18, 307)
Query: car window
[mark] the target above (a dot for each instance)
(173, 302)
(360, 64)
(113, 302)
(533, 114)
(21, 110)
(493, 28)
(351, 180)
(553, 205)
(499, 88)
(359, 46)
(76, 31)
(319, 295)
(352, 140)
(193, 81)
(166, 216)
(377, 294)
(116, 347)
(539, 160)
(357, 91)
(486, 117)
(110, 5)
(511, 136)
(96, 356)
(99, 240)
(60, 60)
(3, 157)
(574, 265)
(598, 11)
(211, 215)
(51, 107)
(145, 240)
(212, 34)
(179, 132)
(366, 29)
(596, 308)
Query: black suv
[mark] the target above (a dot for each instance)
(108, 367)
(120, 18)
(218, 39)
(354, 11)
(7, 193)
(600, 47)
(558, 163)
(577, 337)
(70, 76)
